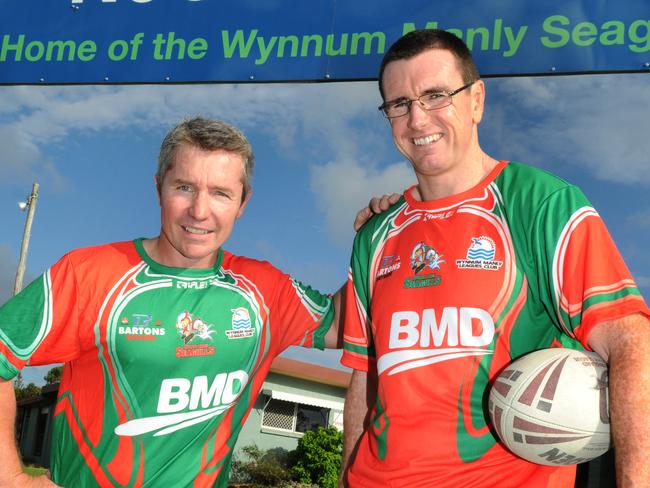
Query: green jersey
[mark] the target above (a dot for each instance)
(162, 365)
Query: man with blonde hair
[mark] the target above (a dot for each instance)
(166, 341)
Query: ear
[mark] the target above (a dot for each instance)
(478, 101)
(158, 184)
(240, 212)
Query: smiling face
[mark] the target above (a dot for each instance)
(441, 141)
(200, 199)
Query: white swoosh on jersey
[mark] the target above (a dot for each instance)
(166, 424)
(416, 358)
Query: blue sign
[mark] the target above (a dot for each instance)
(183, 41)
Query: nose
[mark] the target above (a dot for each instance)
(417, 115)
(200, 206)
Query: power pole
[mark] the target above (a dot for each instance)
(31, 207)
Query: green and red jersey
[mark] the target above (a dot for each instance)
(443, 294)
(162, 364)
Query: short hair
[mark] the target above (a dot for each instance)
(421, 40)
(209, 135)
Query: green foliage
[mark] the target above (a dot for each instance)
(261, 468)
(28, 391)
(315, 462)
(317, 459)
(53, 375)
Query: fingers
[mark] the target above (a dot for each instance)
(383, 203)
(362, 216)
(394, 197)
(376, 205)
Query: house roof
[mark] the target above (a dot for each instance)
(311, 372)
(47, 397)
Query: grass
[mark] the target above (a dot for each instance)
(34, 470)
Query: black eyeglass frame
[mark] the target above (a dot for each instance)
(409, 101)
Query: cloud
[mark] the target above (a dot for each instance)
(8, 268)
(640, 219)
(8, 263)
(595, 123)
(33, 119)
(344, 187)
(318, 123)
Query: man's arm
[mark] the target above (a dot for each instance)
(334, 336)
(360, 396)
(11, 471)
(10, 466)
(625, 345)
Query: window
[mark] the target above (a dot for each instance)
(310, 418)
(294, 417)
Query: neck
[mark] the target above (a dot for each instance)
(162, 252)
(461, 179)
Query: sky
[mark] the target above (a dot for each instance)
(322, 150)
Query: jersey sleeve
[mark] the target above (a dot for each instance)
(584, 275)
(39, 325)
(301, 313)
(358, 349)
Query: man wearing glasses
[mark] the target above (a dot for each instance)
(480, 262)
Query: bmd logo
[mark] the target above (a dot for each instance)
(203, 399)
(419, 339)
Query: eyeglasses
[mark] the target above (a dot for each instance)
(428, 101)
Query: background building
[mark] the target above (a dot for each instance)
(296, 397)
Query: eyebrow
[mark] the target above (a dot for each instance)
(179, 181)
(427, 91)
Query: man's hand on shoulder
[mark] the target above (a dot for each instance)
(376, 205)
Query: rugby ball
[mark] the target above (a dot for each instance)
(551, 406)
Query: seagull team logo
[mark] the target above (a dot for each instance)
(241, 324)
(480, 255)
(424, 257)
(190, 328)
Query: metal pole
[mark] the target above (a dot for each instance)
(31, 207)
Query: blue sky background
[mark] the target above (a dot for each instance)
(322, 150)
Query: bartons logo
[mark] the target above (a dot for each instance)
(190, 328)
(388, 265)
(424, 257)
(480, 255)
(241, 324)
(140, 328)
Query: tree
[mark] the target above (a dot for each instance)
(53, 375)
(29, 391)
(317, 459)
(261, 468)
(19, 384)
(21, 391)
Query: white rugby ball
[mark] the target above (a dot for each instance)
(551, 406)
